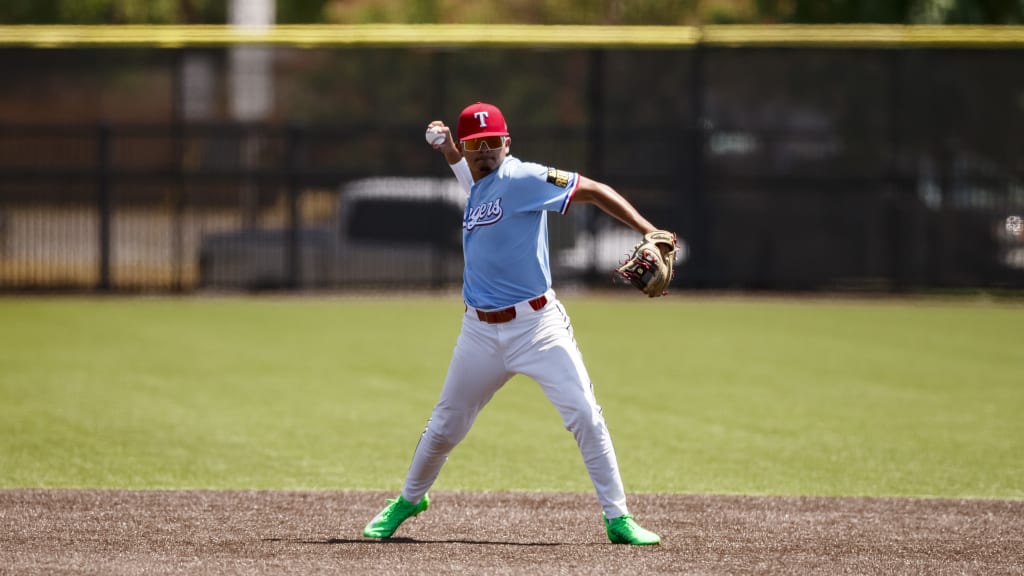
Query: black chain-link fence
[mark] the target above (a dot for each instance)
(252, 167)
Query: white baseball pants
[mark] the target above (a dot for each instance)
(540, 345)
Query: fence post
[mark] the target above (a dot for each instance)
(294, 252)
(178, 156)
(103, 203)
(899, 213)
(595, 149)
(695, 220)
(439, 252)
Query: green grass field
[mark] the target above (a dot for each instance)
(816, 397)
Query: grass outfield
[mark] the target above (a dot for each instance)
(857, 398)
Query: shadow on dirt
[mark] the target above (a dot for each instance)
(395, 541)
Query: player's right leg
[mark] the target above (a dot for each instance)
(475, 373)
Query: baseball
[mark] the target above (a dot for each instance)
(434, 136)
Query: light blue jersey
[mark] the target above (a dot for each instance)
(505, 232)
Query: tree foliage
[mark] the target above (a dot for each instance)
(608, 12)
(113, 11)
(892, 11)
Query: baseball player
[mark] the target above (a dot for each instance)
(513, 322)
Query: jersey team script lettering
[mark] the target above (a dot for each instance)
(483, 214)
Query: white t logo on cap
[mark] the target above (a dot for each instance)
(482, 117)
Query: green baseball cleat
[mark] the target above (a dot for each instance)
(390, 518)
(625, 530)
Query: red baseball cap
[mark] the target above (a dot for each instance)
(479, 120)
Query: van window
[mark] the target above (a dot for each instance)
(409, 222)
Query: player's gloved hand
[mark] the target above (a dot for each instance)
(650, 267)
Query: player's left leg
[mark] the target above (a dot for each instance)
(554, 361)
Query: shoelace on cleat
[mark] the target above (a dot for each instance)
(625, 524)
(394, 505)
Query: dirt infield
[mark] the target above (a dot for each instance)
(214, 532)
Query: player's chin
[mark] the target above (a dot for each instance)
(485, 165)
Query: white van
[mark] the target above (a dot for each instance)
(386, 231)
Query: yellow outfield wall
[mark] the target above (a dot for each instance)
(454, 35)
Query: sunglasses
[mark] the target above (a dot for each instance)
(485, 143)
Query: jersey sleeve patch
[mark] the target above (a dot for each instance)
(558, 177)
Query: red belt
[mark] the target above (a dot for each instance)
(506, 314)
